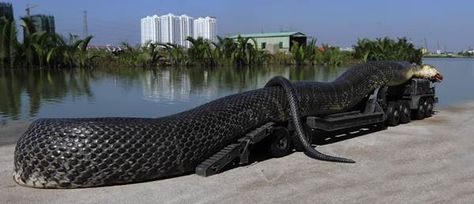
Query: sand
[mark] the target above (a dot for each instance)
(424, 161)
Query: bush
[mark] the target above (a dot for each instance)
(331, 56)
(386, 49)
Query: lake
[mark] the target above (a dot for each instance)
(26, 95)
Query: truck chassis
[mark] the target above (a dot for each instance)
(386, 106)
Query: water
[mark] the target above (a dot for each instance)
(26, 95)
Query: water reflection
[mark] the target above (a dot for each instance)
(180, 85)
(166, 86)
(30, 94)
(34, 87)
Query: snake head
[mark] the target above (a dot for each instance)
(429, 72)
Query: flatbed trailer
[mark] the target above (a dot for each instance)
(385, 106)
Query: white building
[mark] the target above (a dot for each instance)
(206, 28)
(186, 30)
(176, 29)
(150, 29)
(170, 32)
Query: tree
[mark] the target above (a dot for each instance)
(201, 52)
(8, 42)
(387, 49)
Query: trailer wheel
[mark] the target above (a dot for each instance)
(280, 144)
(429, 107)
(421, 110)
(393, 114)
(405, 112)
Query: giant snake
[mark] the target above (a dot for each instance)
(85, 152)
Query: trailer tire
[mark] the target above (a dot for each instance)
(405, 112)
(420, 110)
(429, 107)
(280, 143)
(393, 113)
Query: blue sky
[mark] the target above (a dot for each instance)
(337, 22)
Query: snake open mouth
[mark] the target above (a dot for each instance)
(437, 78)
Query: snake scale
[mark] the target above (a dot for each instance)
(86, 152)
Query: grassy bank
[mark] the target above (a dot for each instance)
(41, 49)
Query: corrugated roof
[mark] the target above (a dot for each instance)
(274, 34)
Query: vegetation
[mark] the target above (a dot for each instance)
(387, 49)
(243, 52)
(44, 49)
(41, 49)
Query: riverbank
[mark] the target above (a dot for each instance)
(424, 161)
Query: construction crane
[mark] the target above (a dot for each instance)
(28, 9)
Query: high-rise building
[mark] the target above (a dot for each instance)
(43, 23)
(169, 28)
(186, 30)
(176, 29)
(150, 29)
(206, 28)
(6, 10)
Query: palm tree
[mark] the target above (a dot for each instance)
(8, 42)
(310, 51)
(245, 52)
(84, 58)
(387, 49)
(298, 53)
(224, 49)
(201, 52)
(26, 47)
(175, 53)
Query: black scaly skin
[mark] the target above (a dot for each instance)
(71, 153)
(296, 119)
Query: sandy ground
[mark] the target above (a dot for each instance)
(429, 161)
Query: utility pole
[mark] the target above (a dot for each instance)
(85, 30)
(426, 43)
(28, 9)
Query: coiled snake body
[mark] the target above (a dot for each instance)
(70, 153)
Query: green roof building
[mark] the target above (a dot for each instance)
(6, 10)
(276, 42)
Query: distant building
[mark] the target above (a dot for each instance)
(150, 29)
(346, 49)
(176, 29)
(170, 32)
(206, 28)
(276, 42)
(43, 23)
(186, 30)
(6, 10)
(107, 48)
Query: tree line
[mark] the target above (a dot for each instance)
(242, 51)
(41, 49)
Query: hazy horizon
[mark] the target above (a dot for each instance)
(340, 23)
